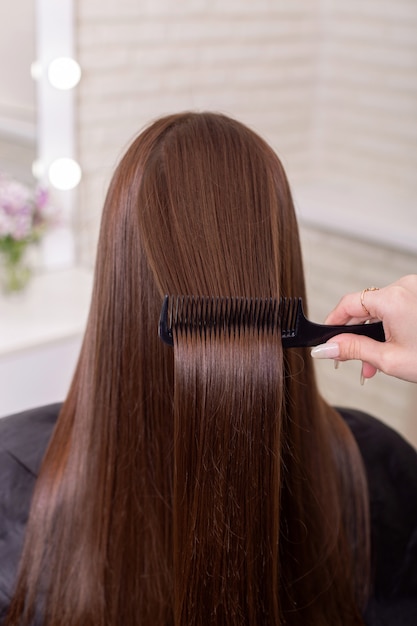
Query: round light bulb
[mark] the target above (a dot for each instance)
(64, 73)
(64, 174)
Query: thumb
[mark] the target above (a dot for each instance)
(348, 347)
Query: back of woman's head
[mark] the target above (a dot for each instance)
(204, 484)
(212, 209)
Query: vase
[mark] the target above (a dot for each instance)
(15, 271)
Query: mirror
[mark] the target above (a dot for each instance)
(17, 95)
(36, 117)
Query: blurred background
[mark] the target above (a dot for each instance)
(331, 84)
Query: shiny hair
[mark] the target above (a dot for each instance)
(208, 483)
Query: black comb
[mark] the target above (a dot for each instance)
(211, 315)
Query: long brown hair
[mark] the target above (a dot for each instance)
(209, 483)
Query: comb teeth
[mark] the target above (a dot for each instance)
(290, 313)
(213, 316)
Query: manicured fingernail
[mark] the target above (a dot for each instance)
(326, 351)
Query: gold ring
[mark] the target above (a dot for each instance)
(363, 295)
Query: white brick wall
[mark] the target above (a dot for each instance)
(332, 84)
(367, 104)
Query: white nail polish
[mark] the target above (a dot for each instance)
(326, 351)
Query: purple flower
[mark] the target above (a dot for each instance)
(24, 212)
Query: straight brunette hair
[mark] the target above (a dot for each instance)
(208, 484)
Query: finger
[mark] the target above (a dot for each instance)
(346, 309)
(368, 370)
(347, 347)
(355, 308)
